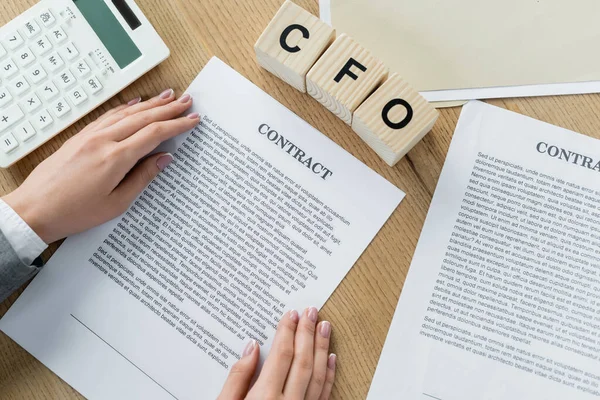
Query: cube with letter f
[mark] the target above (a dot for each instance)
(344, 77)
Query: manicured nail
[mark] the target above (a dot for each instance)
(294, 316)
(313, 314)
(185, 98)
(331, 361)
(193, 116)
(249, 348)
(134, 101)
(163, 161)
(325, 329)
(166, 94)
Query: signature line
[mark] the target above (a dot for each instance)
(118, 352)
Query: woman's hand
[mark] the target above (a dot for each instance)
(299, 366)
(97, 173)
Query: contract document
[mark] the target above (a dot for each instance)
(502, 300)
(259, 213)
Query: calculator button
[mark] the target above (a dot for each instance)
(81, 68)
(19, 85)
(47, 18)
(65, 80)
(2, 51)
(8, 143)
(5, 97)
(8, 68)
(13, 40)
(58, 35)
(10, 116)
(77, 95)
(49, 91)
(31, 103)
(31, 29)
(53, 62)
(60, 107)
(42, 119)
(25, 57)
(42, 45)
(69, 51)
(36, 74)
(93, 84)
(24, 131)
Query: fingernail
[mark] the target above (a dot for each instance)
(249, 348)
(331, 361)
(193, 116)
(163, 161)
(185, 98)
(166, 94)
(325, 329)
(313, 314)
(134, 101)
(294, 316)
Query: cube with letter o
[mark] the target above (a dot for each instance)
(292, 42)
(394, 119)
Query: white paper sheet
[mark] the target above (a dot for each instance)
(491, 92)
(223, 247)
(502, 300)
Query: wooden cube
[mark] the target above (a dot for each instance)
(394, 119)
(344, 76)
(292, 42)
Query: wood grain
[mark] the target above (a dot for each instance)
(361, 308)
(393, 143)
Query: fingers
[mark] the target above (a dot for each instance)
(139, 120)
(148, 138)
(94, 124)
(302, 365)
(137, 179)
(239, 379)
(132, 108)
(277, 365)
(331, 365)
(319, 372)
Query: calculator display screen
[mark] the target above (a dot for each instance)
(109, 30)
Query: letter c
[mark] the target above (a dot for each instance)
(285, 34)
(263, 126)
(539, 147)
(389, 106)
(314, 168)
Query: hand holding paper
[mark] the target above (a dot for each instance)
(160, 302)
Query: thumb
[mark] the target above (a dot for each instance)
(241, 374)
(139, 177)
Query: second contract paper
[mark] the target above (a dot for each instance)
(502, 300)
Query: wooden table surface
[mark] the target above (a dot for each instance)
(362, 307)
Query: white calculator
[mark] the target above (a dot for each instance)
(61, 59)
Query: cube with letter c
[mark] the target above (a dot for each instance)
(292, 43)
(344, 76)
(394, 119)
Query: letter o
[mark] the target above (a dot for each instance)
(553, 151)
(269, 135)
(391, 104)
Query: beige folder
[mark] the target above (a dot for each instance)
(444, 45)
